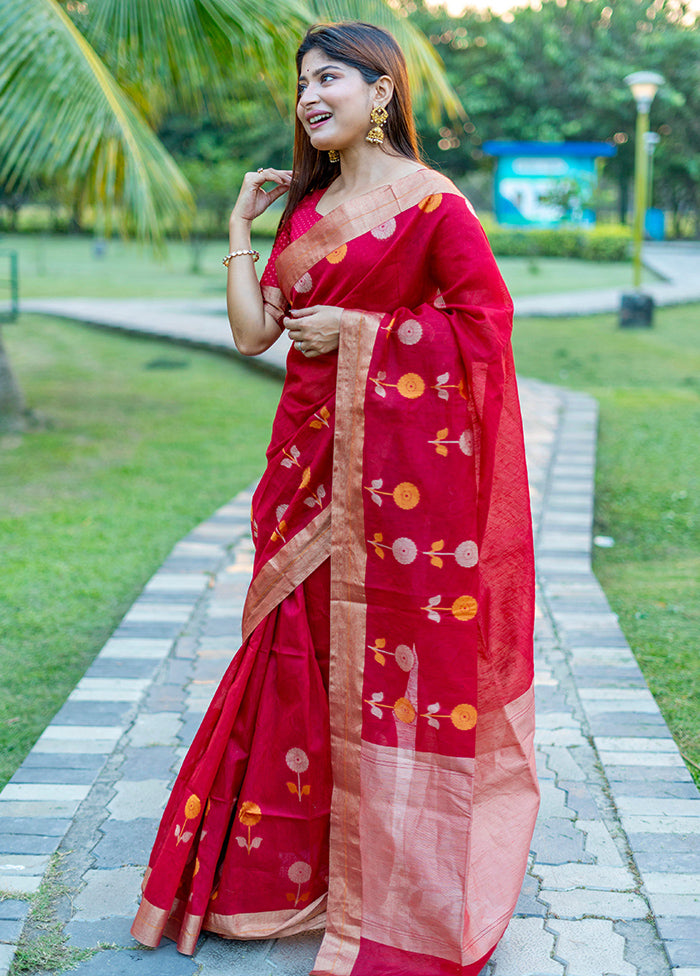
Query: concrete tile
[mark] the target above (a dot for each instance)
(658, 807)
(684, 953)
(596, 877)
(7, 954)
(659, 789)
(649, 861)
(558, 842)
(107, 893)
(11, 929)
(527, 900)
(599, 844)
(553, 802)
(139, 799)
(645, 759)
(125, 842)
(563, 763)
(590, 947)
(526, 948)
(664, 843)
(295, 956)
(46, 791)
(53, 827)
(678, 927)
(164, 961)
(584, 902)
(27, 844)
(106, 931)
(147, 762)
(636, 744)
(191, 583)
(12, 909)
(660, 825)
(676, 905)
(136, 647)
(55, 774)
(160, 729)
(580, 799)
(19, 884)
(651, 773)
(38, 808)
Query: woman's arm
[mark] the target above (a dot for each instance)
(254, 330)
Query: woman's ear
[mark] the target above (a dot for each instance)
(383, 91)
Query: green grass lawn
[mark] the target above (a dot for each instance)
(67, 267)
(131, 457)
(647, 382)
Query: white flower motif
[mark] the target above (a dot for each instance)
(404, 657)
(466, 443)
(382, 231)
(304, 284)
(404, 550)
(410, 332)
(299, 873)
(467, 553)
(280, 511)
(297, 760)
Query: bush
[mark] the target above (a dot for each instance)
(606, 243)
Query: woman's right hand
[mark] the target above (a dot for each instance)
(253, 200)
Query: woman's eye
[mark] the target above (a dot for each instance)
(327, 77)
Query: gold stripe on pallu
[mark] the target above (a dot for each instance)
(287, 569)
(354, 218)
(348, 624)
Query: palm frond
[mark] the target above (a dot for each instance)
(182, 54)
(426, 72)
(64, 115)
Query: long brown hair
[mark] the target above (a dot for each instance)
(374, 53)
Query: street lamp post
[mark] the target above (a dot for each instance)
(644, 85)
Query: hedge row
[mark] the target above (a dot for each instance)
(603, 243)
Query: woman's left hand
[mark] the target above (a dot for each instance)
(315, 331)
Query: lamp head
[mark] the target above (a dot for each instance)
(644, 85)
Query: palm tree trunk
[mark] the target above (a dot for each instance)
(13, 411)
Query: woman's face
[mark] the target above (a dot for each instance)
(334, 102)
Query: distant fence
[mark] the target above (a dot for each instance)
(9, 286)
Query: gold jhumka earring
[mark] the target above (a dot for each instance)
(378, 116)
(333, 156)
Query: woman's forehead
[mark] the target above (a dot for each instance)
(316, 58)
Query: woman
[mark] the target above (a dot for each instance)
(366, 765)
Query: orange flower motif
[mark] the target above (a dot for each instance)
(193, 806)
(406, 495)
(305, 478)
(463, 717)
(404, 710)
(196, 867)
(430, 203)
(249, 813)
(335, 257)
(411, 386)
(464, 607)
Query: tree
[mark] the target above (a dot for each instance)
(556, 73)
(82, 86)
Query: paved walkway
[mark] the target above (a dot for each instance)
(613, 886)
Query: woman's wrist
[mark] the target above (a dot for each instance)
(239, 232)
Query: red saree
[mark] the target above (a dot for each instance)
(373, 773)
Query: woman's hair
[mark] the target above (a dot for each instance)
(374, 53)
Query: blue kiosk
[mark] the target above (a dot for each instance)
(531, 175)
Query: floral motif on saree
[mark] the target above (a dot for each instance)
(402, 460)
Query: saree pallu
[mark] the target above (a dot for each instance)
(373, 772)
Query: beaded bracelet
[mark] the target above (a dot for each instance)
(235, 254)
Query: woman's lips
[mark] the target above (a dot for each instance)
(316, 124)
